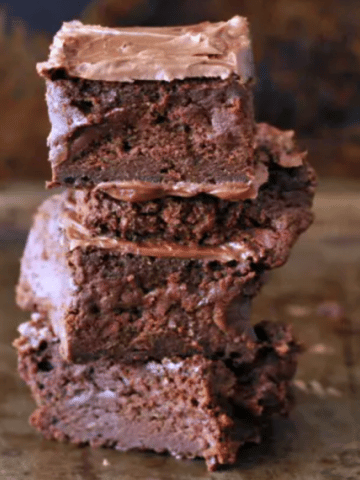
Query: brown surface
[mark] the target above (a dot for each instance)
(23, 123)
(321, 440)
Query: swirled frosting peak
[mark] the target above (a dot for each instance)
(152, 53)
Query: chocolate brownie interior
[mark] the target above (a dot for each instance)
(193, 407)
(285, 199)
(103, 301)
(193, 130)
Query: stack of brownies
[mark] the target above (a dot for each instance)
(140, 275)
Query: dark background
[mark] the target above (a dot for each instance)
(307, 55)
(45, 15)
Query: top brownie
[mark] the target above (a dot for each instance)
(157, 110)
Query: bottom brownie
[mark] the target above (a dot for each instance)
(193, 407)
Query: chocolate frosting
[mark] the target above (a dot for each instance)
(79, 236)
(139, 191)
(147, 53)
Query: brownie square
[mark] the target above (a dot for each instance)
(193, 407)
(160, 106)
(136, 301)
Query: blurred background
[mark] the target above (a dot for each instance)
(307, 55)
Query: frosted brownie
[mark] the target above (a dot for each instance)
(193, 407)
(282, 208)
(153, 108)
(104, 296)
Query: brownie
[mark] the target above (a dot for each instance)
(157, 106)
(140, 276)
(192, 407)
(282, 207)
(104, 296)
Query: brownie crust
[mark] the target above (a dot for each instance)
(193, 407)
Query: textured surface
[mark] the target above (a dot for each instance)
(148, 297)
(138, 53)
(282, 206)
(194, 130)
(193, 407)
(100, 300)
(317, 291)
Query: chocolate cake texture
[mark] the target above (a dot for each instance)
(159, 106)
(163, 290)
(103, 297)
(192, 407)
(282, 206)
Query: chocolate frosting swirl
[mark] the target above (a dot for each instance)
(147, 53)
(140, 191)
(79, 236)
